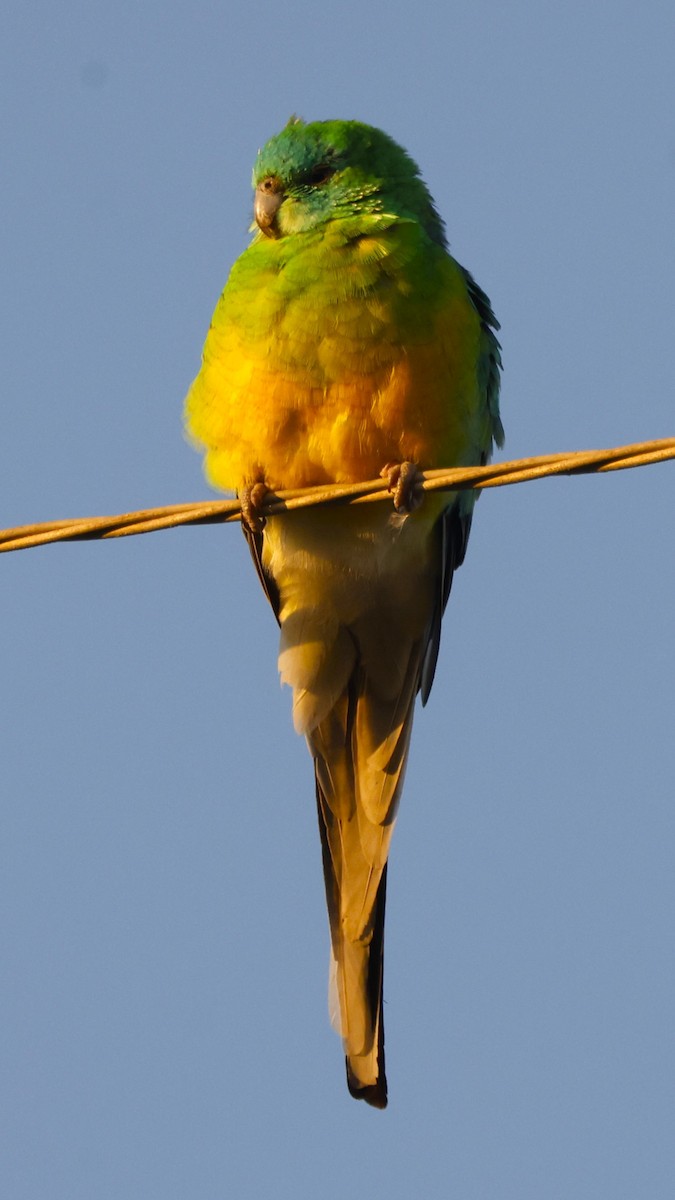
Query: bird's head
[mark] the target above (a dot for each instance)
(308, 175)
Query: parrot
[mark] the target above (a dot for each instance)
(349, 344)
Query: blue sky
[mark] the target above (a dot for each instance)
(163, 1013)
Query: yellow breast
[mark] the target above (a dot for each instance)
(324, 365)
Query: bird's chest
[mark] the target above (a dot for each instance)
(326, 375)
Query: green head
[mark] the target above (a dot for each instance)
(310, 174)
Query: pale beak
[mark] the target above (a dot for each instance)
(268, 199)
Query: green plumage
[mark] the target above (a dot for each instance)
(348, 341)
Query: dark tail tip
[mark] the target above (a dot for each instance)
(374, 1094)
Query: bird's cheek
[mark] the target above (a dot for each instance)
(295, 217)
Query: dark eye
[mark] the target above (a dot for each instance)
(319, 175)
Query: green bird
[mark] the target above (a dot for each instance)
(349, 343)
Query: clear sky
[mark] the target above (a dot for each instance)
(163, 1004)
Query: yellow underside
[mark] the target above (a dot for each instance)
(307, 387)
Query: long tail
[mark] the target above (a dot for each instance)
(359, 598)
(360, 751)
(366, 1077)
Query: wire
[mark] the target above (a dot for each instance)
(582, 462)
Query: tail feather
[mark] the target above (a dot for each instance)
(357, 980)
(381, 745)
(359, 754)
(366, 1076)
(359, 599)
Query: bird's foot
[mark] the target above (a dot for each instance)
(252, 499)
(406, 484)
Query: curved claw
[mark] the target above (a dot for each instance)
(406, 484)
(252, 499)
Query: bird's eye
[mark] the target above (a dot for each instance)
(319, 175)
